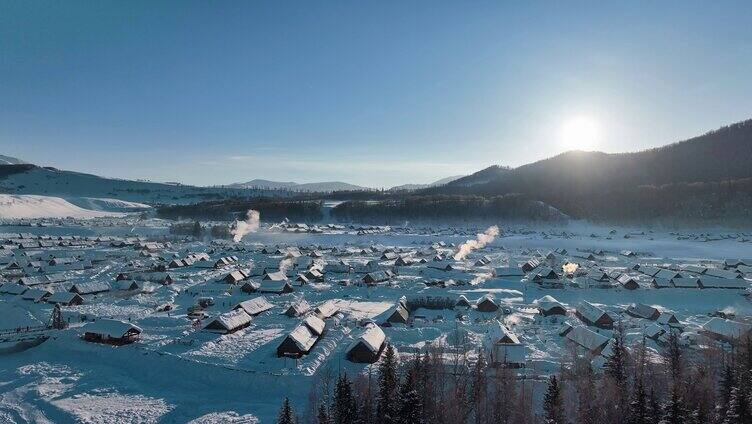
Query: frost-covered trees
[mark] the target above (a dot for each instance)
(673, 385)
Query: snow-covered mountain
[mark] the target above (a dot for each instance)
(35, 180)
(327, 186)
(30, 206)
(8, 160)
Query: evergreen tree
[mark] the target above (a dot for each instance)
(286, 414)
(638, 408)
(388, 384)
(344, 407)
(744, 392)
(615, 370)
(322, 417)
(674, 411)
(553, 404)
(724, 393)
(409, 401)
(616, 363)
(734, 405)
(479, 388)
(587, 412)
(653, 410)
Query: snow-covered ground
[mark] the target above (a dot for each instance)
(31, 206)
(179, 372)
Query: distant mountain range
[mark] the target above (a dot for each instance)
(706, 179)
(719, 155)
(330, 186)
(20, 177)
(35, 180)
(706, 176)
(322, 187)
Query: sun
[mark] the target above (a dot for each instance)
(580, 133)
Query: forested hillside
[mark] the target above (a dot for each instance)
(704, 177)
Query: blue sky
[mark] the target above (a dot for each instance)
(373, 93)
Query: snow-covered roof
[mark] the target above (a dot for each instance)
(274, 286)
(255, 306)
(685, 283)
(327, 309)
(111, 328)
(232, 319)
(498, 333)
(586, 338)
(61, 297)
(548, 302)
(298, 307)
(642, 310)
(372, 338)
(721, 273)
(591, 312)
(90, 287)
(727, 328)
(654, 330)
(303, 338)
(13, 288)
(723, 283)
(275, 276)
(315, 324)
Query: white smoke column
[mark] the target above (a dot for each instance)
(481, 240)
(250, 225)
(569, 268)
(284, 265)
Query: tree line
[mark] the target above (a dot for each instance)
(637, 385)
(453, 208)
(271, 210)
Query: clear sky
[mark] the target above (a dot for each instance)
(374, 93)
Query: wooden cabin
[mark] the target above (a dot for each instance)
(486, 304)
(593, 315)
(229, 322)
(367, 347)
(65, 298)
(548, 306)
(111, 331)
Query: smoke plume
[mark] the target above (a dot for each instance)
(481, 240)
(569, 268)
(250, 225)
(284, 265)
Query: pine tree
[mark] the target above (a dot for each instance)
(674, 411)
(286, 414)
(615, 370)
(322, 417)
(478, 393)
(638, 408)
(344, 407)
(616, 363)
(653, 410)
(724, 393)
(388, 383)
(409, 401)
(734, 405)
(587, 412)
(553, 404)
